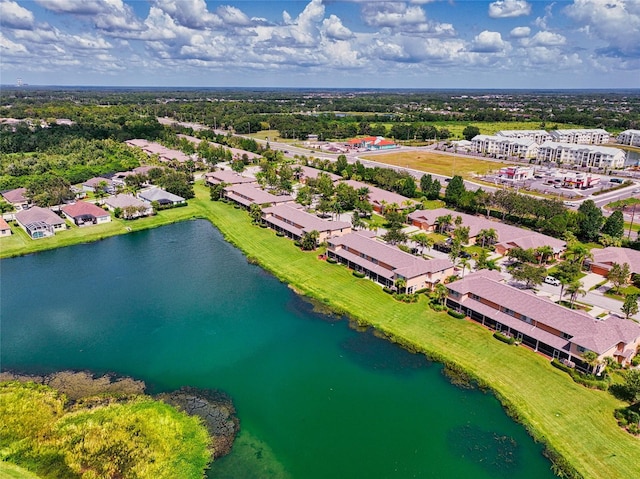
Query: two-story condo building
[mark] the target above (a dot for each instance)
(584, 136)
(540, 324)
(295, 222)
(539, 136)
(386, 264)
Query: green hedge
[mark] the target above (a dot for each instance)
(358, 274)
(456, 314)
(505, 339)
(331, 261)
(579, 377)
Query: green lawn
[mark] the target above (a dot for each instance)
(575, 421)
(11, 471)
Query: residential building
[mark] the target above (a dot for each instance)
(307, 173)
(17, 198)
(539, 136)
(386, 264)
(130, 206)
(380, 199)
(581, 155)
(162, 197)
(508, 236)
(86, 214)
(5, 229)
(584, 136)
(40, 222)
(295, 222)
(94, 183)
(629, 137)
(236, 153)
(228, 177)
(504, 146)
(164, 154)
(246, 195)
(541, 324)
(604, 258)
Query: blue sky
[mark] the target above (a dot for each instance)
(316, 43)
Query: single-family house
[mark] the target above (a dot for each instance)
(541, 324)
(130, 206)
(5, 229)
(162, 197)
(508, 236)
(603, 259)
(380, 199)
(94, 183)
(86, 214)
(40, 222)
(295, 222)
(227, 177)
(246, 195)
(386, 264)
(17, 198)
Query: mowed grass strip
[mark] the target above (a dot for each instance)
(575, 421)
(437, 163)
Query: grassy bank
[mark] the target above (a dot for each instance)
(576, 422)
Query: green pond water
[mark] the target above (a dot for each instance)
(179, 306)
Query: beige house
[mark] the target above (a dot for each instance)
(40, 222)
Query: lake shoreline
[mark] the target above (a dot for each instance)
(232, 223)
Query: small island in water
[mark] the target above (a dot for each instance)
(77, 425)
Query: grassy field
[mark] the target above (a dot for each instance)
(576, 422)
(438, 163)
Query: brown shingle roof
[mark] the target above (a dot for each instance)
(612, 254)
(379, 196)
(15, 196)
(82, 208)
(248, 194)
(306, 221)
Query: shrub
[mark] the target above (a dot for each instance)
(279, 233)
(331, 261)
(387, 290)
(563, 367)
(358, 274)
(456, 314)
(504, 338)
(423, 290)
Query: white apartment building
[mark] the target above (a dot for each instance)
(629, 137)
(595, 136)
(582, 155)
(503, 146)
(539, 136)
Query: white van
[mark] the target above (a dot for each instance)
(552, 280)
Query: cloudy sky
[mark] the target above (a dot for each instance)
(322, 43)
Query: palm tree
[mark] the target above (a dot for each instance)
(401, 284)
(440, 293)
(573, 290)
(443, 222)
(544, 252)
(578, 253)
(464, 262)
(488, 236)
(423, 240)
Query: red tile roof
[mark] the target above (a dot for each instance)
(82, 208)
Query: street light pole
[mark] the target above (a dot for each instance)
(633, 213)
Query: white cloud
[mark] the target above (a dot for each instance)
(10, 48)
(489, 42)
(77, 7)
(335, 30)
(546, 39)
(392, 14)
(233, 16)
(189, 13)
(616, 22)
(520, 32)
(13, 15)
(509, 8)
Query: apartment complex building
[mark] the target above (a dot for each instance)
(581, 155)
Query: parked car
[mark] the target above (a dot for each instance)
(464, 254)
(551, 280)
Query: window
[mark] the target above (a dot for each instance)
(508, 311)
(474, 296)
(526, 319)
(581, 349)
(567, 336)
